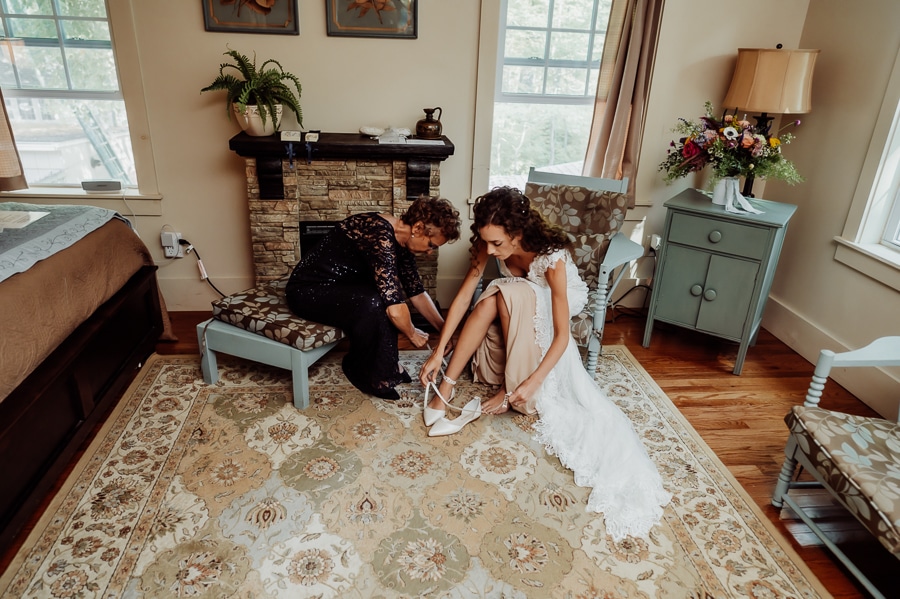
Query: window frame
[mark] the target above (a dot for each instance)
(546, 62)
(861, 244)
(144, 197)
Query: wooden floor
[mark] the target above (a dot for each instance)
(739, 417)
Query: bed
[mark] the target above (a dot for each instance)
(80, 310)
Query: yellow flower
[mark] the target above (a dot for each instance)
(774, 142)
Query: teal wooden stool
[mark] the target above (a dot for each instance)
(257, 325)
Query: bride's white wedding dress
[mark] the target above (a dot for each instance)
(584, 428)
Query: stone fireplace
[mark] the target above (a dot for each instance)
(289, 183)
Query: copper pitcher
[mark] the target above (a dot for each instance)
(429, 127)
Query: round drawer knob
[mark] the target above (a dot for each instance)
(696, 290)
(715, 236)
(709, 295)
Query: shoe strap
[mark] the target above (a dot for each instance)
(450, 381)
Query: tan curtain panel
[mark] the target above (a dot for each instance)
(12, 176)
(622, 89)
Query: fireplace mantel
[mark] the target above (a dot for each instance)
(327, 180)
(271, 154)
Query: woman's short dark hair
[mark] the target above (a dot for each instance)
(436, 212)
(509, 208)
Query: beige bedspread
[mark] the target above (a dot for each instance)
(41, 307)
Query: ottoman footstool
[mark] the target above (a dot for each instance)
(257, 325)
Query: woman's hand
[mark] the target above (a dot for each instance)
(419, 338)
(525, 391)
(428, 373)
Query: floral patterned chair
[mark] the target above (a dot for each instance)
(857, 459)
(592, 211)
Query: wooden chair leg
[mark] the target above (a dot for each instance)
(787, 473)
(208, 363)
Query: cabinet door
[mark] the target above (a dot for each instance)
(727, 295)
(685, 269)
(706, 291)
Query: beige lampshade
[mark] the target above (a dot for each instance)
(770, 80)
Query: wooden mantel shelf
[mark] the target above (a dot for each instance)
(338, 146)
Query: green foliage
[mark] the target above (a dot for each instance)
(526, 135)
(265, 86)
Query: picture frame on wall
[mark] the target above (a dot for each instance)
(252, 16)
(374, 18)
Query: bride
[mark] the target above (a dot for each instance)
(518, 338)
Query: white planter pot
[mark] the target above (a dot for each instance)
(251, 122)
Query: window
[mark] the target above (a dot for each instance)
(891, 234)
(548, 64)
(870, 242)
(62, 92)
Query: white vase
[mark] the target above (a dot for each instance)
(251, 122)
(724, 187)
(727, 195)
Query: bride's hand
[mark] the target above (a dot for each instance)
(429, 370)
(525, 391)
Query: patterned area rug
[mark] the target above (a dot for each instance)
(193, 490)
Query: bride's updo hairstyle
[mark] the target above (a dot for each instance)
(507, 207)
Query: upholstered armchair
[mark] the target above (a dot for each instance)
(855, 458)
(592, 211)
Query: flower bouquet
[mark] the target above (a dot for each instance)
(733, 147)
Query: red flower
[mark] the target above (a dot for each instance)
(690, 149)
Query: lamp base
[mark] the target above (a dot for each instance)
(763, 123)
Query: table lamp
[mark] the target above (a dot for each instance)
(770, 80)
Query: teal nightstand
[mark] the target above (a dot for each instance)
(716, 268)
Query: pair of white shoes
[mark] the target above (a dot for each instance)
(437, 419)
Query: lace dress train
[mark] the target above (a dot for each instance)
(587, 432)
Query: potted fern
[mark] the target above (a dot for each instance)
(257, 95)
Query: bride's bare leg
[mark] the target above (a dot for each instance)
(473, 332)
(499, 402)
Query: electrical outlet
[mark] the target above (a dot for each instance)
(170, 245)
(655, 242)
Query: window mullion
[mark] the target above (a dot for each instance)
(62, 43)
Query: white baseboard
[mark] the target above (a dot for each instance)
(875, 387)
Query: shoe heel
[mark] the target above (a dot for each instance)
(430, 415)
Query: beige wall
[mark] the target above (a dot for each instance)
(816, 302)
(347, 83)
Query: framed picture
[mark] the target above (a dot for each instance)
(372, 18)
(251, 16)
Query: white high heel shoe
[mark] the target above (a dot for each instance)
(470, 412)
(432, 415)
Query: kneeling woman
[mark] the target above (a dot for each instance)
(356, 277)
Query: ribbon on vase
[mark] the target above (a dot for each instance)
(726, 194)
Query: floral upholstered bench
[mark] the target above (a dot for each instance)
(257, 324)
(856, 458)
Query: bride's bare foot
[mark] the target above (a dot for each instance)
(497, 404)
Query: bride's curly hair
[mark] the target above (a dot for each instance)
(507, 207)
